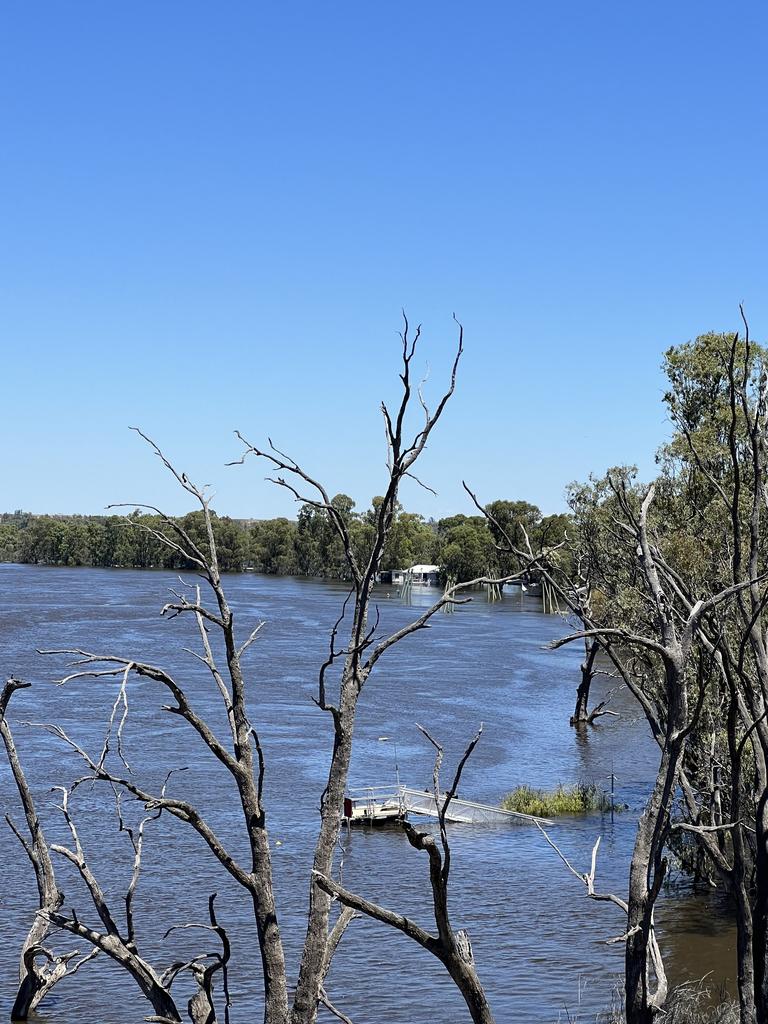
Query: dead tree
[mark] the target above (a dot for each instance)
(588, 878)
(120, 942)
(39, 968)
(362, 649)
(744, 683)
(588, 670)
(204, 967)
(452, 948)
(665, 652)
(240, 753)
(580, 714)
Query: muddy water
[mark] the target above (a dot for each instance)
(538, 942)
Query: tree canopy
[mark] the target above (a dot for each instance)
(463, 546)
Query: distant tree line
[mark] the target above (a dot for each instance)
(463, 546)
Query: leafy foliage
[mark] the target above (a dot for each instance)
(577, 799)
(307, 546)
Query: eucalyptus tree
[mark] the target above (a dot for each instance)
(707, 540)
(673, 577)
(716, 464)
(653, 641)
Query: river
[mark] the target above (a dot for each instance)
(538, 942)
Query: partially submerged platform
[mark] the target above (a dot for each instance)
(389, 805)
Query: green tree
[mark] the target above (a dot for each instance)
(273, 546)
(467, 551)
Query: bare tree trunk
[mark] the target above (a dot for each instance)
(452, 948)
(672, 650)
(243, 757)
(35, 981)
(760, 912)
(581, 711)
(740, 879)
(466, 980)
(310, 972)
(646, 875)
(744, 933)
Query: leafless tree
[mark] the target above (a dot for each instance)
(452, 948)
(588, 878)
(39, 968)
(356, 645)
(120, 943)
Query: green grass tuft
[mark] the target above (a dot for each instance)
(577, 799)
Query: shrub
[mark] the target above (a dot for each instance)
(577, 799)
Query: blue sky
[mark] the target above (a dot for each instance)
(212, 215)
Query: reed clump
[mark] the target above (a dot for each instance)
(693, 1002)
(580, 798)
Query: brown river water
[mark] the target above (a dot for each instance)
(539, 943)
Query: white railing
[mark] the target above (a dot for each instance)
(374, 800)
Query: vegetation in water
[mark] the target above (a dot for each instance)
(689, 1003)
(577, 799)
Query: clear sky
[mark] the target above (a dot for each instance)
(212, 215)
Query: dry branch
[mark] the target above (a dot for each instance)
(452, 948)
(39, 968)
(241, 754)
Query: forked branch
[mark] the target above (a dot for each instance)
(451, 947)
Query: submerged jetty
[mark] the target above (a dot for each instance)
(388, 805)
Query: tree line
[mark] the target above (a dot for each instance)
(464, 546)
